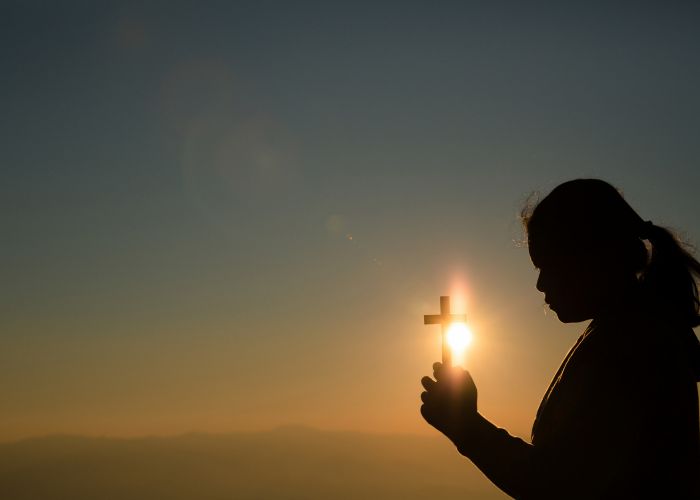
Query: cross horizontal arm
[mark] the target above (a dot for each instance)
(432, 319)
(439, 319)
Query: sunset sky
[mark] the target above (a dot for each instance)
(233, 216)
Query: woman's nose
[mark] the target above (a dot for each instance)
(540, 282)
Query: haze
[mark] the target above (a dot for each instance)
(232, 216)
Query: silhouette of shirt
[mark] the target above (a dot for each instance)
(619, 420)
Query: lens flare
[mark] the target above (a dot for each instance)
(459, 336)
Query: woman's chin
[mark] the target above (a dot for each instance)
(568, 316)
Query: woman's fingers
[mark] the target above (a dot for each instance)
(427, 414)
(441, 371)
(446, 373)
(450, 379)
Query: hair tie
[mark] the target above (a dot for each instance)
(646, 229)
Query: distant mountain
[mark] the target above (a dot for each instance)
(290, 463)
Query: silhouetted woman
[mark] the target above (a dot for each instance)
(620, 418)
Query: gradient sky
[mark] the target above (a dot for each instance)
(232, 215)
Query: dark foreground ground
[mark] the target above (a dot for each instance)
(291, 463)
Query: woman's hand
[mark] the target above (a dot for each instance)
(449, 401)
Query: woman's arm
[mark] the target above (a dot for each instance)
(581, 461)
(506, 460)
(449, 405)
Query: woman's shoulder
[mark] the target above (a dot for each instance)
(647, 337)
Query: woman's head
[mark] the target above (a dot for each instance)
(588, 244)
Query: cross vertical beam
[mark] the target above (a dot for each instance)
(445, 318)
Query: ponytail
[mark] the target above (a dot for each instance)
(669, 279)
(670, 275)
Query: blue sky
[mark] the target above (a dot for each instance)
(197, 193)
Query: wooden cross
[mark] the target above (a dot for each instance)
(445, 318)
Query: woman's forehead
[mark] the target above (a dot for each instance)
(553, 250)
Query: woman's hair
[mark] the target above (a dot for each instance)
(592, 215)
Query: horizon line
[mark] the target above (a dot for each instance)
(137, 437)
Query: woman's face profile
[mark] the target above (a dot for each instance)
(573, 283)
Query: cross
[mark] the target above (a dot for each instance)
(445, 318)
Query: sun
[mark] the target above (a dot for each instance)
(459, 336)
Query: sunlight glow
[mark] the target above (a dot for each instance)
(459, 336)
